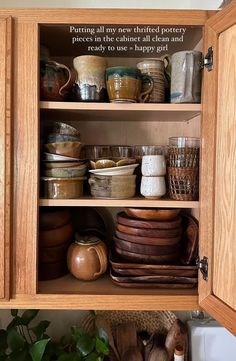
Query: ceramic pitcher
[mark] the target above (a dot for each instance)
(186, 77)
(55, 80)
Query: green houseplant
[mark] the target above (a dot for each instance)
(22, 342)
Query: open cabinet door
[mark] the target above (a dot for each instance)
(5, 154)
(217, 295)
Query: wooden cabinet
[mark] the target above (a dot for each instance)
(127, 123)
(5, 154)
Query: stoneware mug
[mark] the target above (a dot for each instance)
(153, 187)
(124, 85)
(153, 165)
(90, 84)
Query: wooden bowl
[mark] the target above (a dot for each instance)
(53, 254)
(56, 237)
(155, 232)
(144, 258)
(122, 218)
(154, 214)
(49, 271)
(165, 241)
(145, 248)
(51, 218)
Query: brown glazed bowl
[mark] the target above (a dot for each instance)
(154, 214)
(68, 149)
(51, 218)
(56, 237)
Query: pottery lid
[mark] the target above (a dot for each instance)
(86, 239)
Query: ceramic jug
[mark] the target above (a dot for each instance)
(55, 80)
(186, 77)
(156, 68)
(87, 258)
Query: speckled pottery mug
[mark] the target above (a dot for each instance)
(124, 85)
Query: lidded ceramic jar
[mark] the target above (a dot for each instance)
(87, 258)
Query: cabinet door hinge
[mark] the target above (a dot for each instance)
(203, 267)
(207, 60)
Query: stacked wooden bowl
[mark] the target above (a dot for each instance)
(55, 235)
(154, 248)
(149, 241)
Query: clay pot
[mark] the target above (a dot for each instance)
(87, 258)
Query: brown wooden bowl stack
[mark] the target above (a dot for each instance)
(55, 235)
(148, 241)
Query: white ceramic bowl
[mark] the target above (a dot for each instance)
(123, 170)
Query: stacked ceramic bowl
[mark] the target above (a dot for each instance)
(112, 172)
(63, 172)
(153, 169)
(148, 241)
(55, 235)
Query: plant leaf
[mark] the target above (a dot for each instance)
(101, 347)
(3, 340)
(40, 329)
(101, 333)
(91, 357)
(19, 356)
(15, 322)
(73, 356)
(28, 316)
(14, 313)
(85, 344)
(37, 349)
(14, 340)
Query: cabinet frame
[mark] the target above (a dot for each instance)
(26, 158)
(207, 300)
(5, 154)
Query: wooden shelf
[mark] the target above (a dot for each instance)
(130, 112)
(132, 202)
(103, 294)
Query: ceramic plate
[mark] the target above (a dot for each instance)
(57, 157)
(123, 170)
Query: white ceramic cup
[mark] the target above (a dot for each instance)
(153, 165)
(153, 187)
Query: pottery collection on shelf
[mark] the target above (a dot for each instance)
(174, 79)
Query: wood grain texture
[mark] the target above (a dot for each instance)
(207, 160)
(225, 185)
(110, 16)
(26, 157)
(210, 186)
(225, 315)
(131, 112)
(5, 154)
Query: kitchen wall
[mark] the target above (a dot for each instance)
(64, 319)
